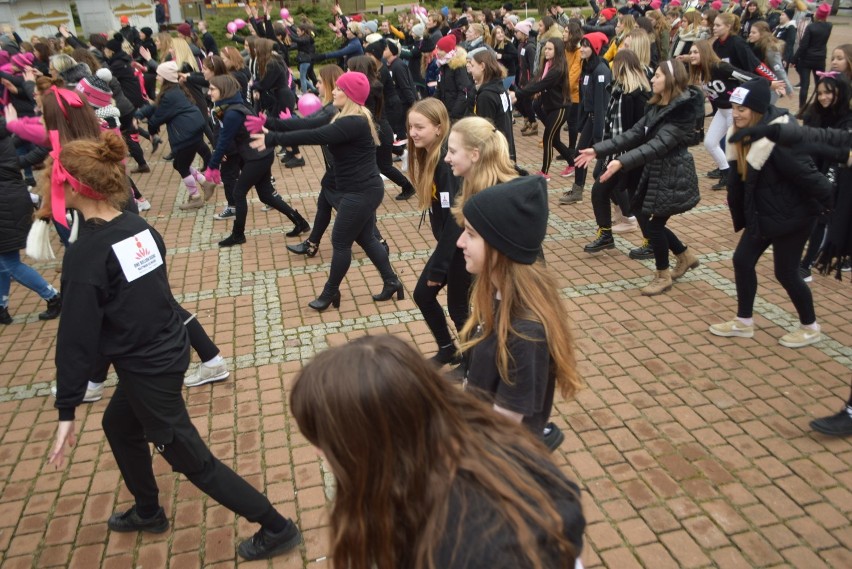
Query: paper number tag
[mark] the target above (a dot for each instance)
(138, 255)
(586, 80)
(445, 200)
(601, 79)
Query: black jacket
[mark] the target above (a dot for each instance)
(782, 192)
(594, 96)
(658, 143)
(445, 230)
(274, 87)
(508, 58)
(526, 62)
(492, 102)
(812, 46)
(16, 209)
(454, 86)
(553, 88)
(405, 88)
(184, 122)
(119, 64)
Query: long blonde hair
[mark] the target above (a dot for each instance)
(640, 44)
(424, 161)
(183, 54)
(527, 292)
(494, 165)
(628, 73)
(165, 47)
(351, 108)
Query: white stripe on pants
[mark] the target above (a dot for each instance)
(722, 121)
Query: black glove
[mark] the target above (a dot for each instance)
(753, 133)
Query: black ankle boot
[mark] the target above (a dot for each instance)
(324, 300)
(603, 241)
(393, 286)
(301, 225)
(5, 317)
(304, 248)
(405, 194)
(54, 307)
(232, 239)
(446, 355)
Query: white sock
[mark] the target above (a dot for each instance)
(814, 326)
(215, 361)
(849, 410)
(746, 321)
(93, 385)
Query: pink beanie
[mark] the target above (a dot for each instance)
(675, 3)
(716, 5)
(97, 92)
(655, 4)
(22, 60)
(821, 13)
(355, 85)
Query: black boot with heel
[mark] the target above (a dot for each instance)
(392, 286)
(324, 300)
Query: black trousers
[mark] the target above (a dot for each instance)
(553, 122)
(384, 158)
(130, 134)
(183, 158)
(458, 283)
(605, 192)
(586, 126)
(257, 174)
(574, 126)
(525, 107)
(356, 223)
(805, 81)
(151, 409)
(230, 172)
(661, 238)
(326, 202)
(787, 253)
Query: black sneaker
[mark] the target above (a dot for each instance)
(715, 173)
(839, 425)
(552, 436)
(805, 274)
(294, 162)
(265, 544)
(720, 185)
(232, 240)
(642, 253)
(604, 241)
(5, 317)
(131, 521)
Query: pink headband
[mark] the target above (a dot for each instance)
(829, 74)
(58, 177)
(70, 97)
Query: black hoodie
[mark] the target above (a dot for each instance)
(492, 102)
(119, 64)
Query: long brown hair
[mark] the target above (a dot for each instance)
(707, 61)
(265, 54)
(767, 41)
(677, 80)
(234, 60)
(527, 292)
(424, 161)
(329, 75)
(400, 439)
(72, 124)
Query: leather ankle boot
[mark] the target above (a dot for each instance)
(54, 307)
(392, 286)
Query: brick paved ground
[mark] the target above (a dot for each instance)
(692, 450)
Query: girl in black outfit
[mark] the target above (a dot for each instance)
(526, 62)
(751, 15)
(810, 57)
(775, 194)
(490, 100)
(428, 128)
(229, 114)
(551, 84)
(369, 66)
(629, 92)
(271, 90)
(668, 184)
(120, 307)
(454, 84)
(352, 140)
(507, 53)
(594, 99)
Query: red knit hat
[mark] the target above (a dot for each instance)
(609, 13)
(823, 11)
(185, 30)
(354, 85)
(597, 40)
(447, 43)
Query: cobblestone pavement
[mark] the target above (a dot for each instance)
(692, 450)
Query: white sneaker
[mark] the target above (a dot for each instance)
(266, 207)
(800, 338)
(91, 396)
(143, 205)
(207, 374)
(732, 328)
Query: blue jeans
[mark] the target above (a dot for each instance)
(304, 70)
(11, 267)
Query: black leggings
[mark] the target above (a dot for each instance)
(553, 122)
(384, 159)
(605, 192)
(587, 124)
(661, 238)
(815, 244)
(525, 107)
(322, 218)
(787, 253)
(131, 137)
(183, 158)
(257, 174)
(143, 411)
(805, 81)
(230, 172)
(458, 283)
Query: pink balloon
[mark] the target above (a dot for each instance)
(231, 27)
(240, 23)
(285, 13)
(309, 104)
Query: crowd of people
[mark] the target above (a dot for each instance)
(439, 93)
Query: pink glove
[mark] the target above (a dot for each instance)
(214, 175)
(255, 124)
(285, 114)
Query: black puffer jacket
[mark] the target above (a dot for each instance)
(659, 143)
(16, 209)
(782, 192)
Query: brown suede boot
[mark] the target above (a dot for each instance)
(532, 130)
(525, 128)
(685, 262)
(661, 283)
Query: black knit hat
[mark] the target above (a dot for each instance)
(377, 48)
(393, 47)
(511, 217)
(754, 95)
(147, 31)
(791, 12)
(115, 43)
